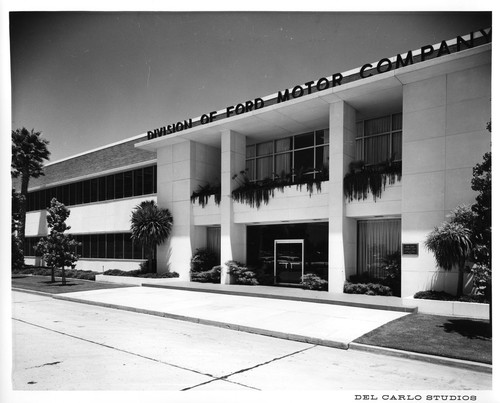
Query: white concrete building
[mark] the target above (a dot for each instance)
(417, 119)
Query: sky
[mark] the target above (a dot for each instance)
(87, 79)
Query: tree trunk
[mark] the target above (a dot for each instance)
(63, 276)
(23, 206)
(53, 274)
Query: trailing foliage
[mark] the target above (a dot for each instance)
(241, 274)
(204, 192)
(140, 273)
(150, 226)
(361, 179)
(58, 249)
(313, 282)
(256, 193)
(367, 289)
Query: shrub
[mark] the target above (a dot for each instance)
(70, 273)
(241, 274)
(138, 273)
(203, 260)
(313, 282)
(209, 276)
(444, 296)
(367, 289)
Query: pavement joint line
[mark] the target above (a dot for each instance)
(433, 359)
(225, 377)
(221, 324)
(115, 348)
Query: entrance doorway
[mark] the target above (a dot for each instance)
(288, 261)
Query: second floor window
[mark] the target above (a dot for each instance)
(303, 154)
(379, 139)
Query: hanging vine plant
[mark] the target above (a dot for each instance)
(203, 193)
(361, 179)
(260, 192)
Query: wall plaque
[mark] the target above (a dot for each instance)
(410, 249)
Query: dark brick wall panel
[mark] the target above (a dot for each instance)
(117, 156)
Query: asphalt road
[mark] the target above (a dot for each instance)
(60, 345)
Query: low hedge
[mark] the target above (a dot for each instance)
(69, 273)
(139, 273)
(313, 282)
(367, 289)
(444, 296)
(209, 276)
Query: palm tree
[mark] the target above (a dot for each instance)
(29, 151)
(150, 226)
(451, 244)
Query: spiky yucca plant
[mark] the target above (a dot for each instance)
(451, 245)
(150, 226)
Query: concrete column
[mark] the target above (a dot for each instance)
(341, 230)
(233, 236)
(444, 136)
(175, 183)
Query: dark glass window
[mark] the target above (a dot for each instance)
(72, 194)
(138, 251)
(101, 243)
(322, 157)
(110, 246)
(148, 180)
(119, 186)
(58, 194)
(110, 187)
(304, 161)
(102, 189)
(78, 193)
(94, 246)
(86, 191)
(304, 140)
(94, 188)
(261, 246)
(128, 184)
(128, 249)
(155, 179)
(86, 246)
(119, 246)
(138, 181)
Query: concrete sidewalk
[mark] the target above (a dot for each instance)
(317, 323)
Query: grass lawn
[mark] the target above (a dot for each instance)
(461, 338)
(43, 283)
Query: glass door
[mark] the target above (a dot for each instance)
(288, 261)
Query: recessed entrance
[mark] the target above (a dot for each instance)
(288, 261)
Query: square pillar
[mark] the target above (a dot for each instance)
(341, 230)
(175, 184)
(233, 236)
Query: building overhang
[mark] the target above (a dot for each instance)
(376, 95)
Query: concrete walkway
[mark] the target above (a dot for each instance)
(318, 323)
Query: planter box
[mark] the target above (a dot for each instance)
(134, 280)
(450, 308)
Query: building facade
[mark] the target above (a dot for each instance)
(336, 177)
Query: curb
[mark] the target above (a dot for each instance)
(451, 362)
(225, 325)
(434, 359)
(407, 309)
